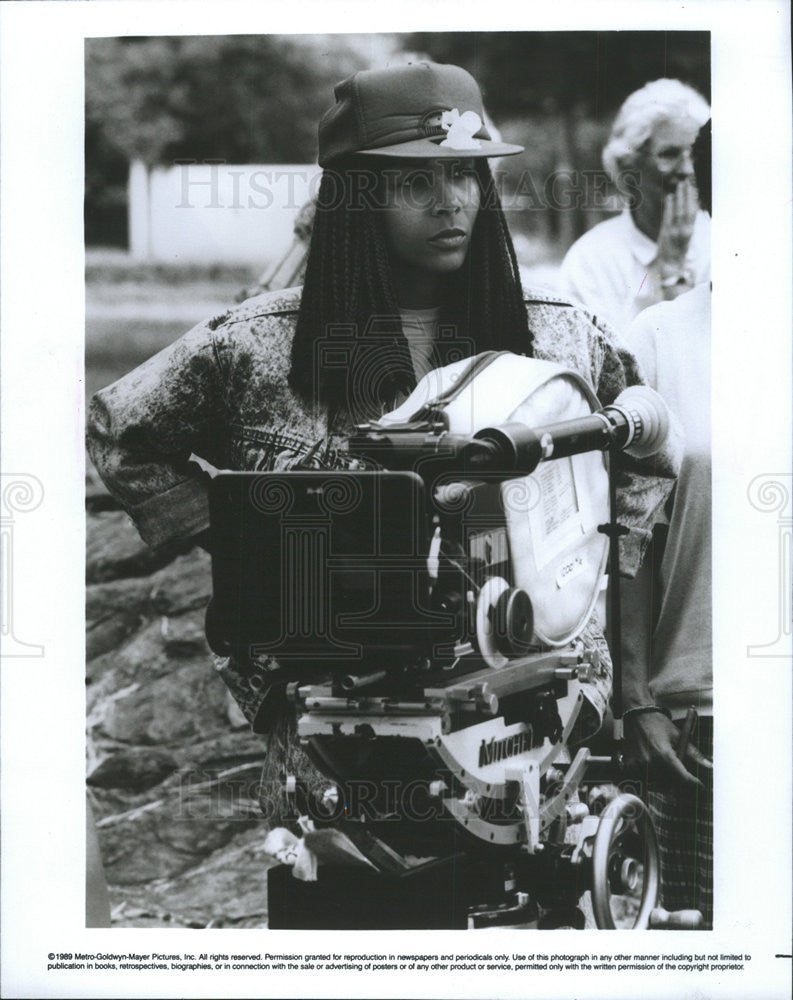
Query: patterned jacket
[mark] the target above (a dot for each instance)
(221, 393)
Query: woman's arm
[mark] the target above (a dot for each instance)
(643, 485)
(143, 429)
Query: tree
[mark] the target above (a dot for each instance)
(239, 98)
(524, 72)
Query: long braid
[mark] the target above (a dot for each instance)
(501, 277)
(348, 284)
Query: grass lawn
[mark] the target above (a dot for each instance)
(133, 310)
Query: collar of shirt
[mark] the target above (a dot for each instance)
(420, 327)
(642, 247)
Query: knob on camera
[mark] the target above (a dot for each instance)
(513, 622)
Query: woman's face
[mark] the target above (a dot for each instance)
(666, 162)
(429, 213)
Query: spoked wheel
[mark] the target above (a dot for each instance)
(625, 865)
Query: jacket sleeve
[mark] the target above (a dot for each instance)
(643, 485)
(143, 429)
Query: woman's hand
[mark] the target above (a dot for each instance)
(653, 739)
(677, 228)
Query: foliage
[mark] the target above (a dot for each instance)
(589, 72)
(258, 98)
(238, 98)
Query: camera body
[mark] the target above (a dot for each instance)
(426, 610)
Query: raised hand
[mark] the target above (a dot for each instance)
(677, 227)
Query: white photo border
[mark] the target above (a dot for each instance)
(42, 417)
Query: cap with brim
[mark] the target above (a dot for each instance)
(421, 111)
(431, 149)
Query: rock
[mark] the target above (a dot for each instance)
(115, 549)
(139, 853)
(227, 889)
(129, 597)
(174, 769)
(146, 656)
(108, 633)
(113, 611)
(174, 833)
(200, 761)
(224, 751)
(135, 770)
(186, 704)
(116, 608)
(184, 584)
(184, 637)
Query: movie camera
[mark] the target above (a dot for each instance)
(429, 610)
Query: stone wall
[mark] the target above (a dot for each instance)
(172, 766)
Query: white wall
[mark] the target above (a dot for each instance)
(223, 213)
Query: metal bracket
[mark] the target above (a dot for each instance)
(586, 839)
(528, 781)
(556, 806)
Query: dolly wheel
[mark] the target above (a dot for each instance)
(625, 861)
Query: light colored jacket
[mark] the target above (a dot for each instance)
(221, 393)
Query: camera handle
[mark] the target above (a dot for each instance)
(614, 530)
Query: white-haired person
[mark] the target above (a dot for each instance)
(659, 246)
(666, 635)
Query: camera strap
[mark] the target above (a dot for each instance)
(476, 365)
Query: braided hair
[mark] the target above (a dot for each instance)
(349, 353)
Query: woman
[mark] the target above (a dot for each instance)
(411, 265)
(659, 247)
(668, 646)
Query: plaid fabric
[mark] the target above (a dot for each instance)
(683, 820)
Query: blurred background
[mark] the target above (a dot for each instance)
(199, 154)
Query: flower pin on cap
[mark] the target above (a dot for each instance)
(418, 111)
(461, 129)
